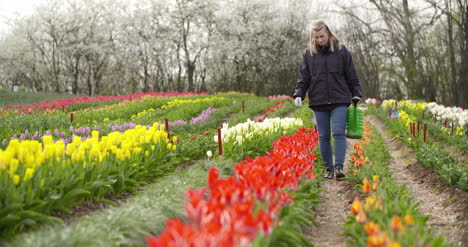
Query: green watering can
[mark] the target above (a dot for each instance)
(355, 128)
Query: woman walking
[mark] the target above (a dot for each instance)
(328, 75)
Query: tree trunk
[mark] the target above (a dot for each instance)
(190, 72)
(462, 92)
(410, 60)
(90, 80)
(76, 74)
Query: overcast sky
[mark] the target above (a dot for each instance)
(12, 8)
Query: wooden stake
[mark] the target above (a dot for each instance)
(451, 132)
(220, 143)
(425, 132)
(418, 128)
(71, 117)
(166, 126)
(243, 106)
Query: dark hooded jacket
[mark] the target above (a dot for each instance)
(329, 78)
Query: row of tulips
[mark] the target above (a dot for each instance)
(85, 132)
(40, 178)
(448, 123)
(384, 214)
(118, 115)
(37, 121)
(148, 109)
(63, 103)
(245, 208)
(252, 138)
(428, 152)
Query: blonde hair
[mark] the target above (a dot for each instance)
(316, 27)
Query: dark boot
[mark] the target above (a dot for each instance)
(339, 173)
(329, 174)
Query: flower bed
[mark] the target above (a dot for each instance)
(385, 214)
(234, 211)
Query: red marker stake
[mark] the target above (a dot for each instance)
(166, 125)
(220, 143)
(418, 127)
(425, 132)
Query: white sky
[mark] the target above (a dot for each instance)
(15, 8)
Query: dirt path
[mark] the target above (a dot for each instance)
(333, 209)
(447, 206)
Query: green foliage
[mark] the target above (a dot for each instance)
(444, 165)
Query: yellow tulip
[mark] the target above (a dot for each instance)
(5, 159)
(13, 147)
(16, 179)
(30, 161)
(70, 149)
(95, 134)
(13, 166)
(137, 150)
(47, 140)
(28, 174)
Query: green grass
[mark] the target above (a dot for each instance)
(26, 98)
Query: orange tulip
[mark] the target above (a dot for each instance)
(371, 228)
(408, 219)
(366, 186)
(396, 224)
(375, 186)
(377, 240)
(361, 217)
(356, 206)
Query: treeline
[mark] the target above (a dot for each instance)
(410, 49)
(402, 49)
(112, 47)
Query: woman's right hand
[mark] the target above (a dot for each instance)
(298, 101)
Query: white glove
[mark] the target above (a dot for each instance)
(298, 101)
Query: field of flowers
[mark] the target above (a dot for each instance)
(227, 169)
(427, 128)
